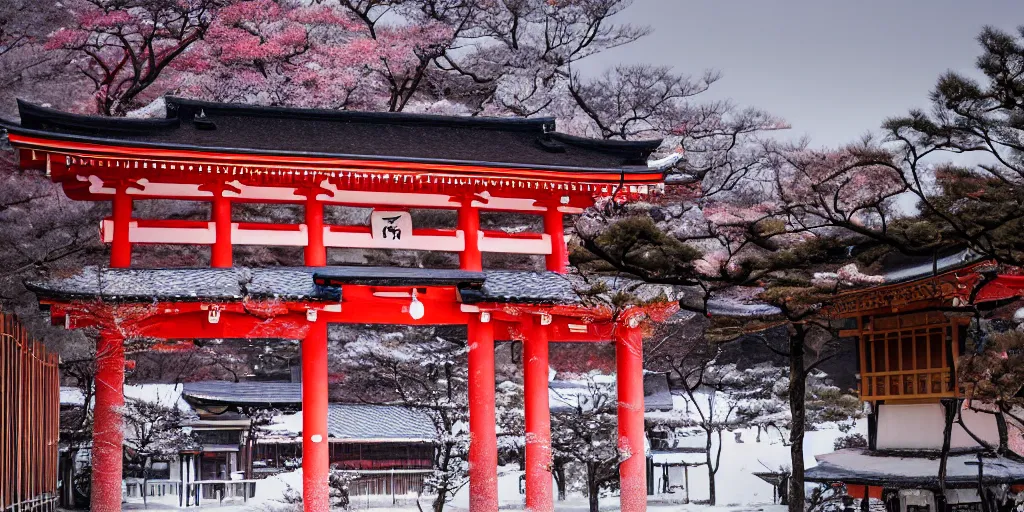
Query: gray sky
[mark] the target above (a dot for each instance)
(834, 69)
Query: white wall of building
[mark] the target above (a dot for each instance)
(919, 427)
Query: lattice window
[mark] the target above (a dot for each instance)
(908, 356)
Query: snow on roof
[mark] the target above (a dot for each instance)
(565, 395)
(909, 269)
(70, 395)
(243, 393)
(365, 422)
(518, 286)
(184, 284)
(298, 283)
(861, 466)
(731, 302)
(166, 395)
(679, 457)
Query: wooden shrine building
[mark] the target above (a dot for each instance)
(910, 333)
(228, 154)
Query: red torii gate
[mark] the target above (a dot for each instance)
(230, 153)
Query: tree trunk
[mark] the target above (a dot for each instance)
(949, 408)
(442, 488)
(711, 469)
(797, 407)
(145, 480)
(593, 491)
(560, 479)
(711, 486)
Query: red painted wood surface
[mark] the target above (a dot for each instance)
(539, 497)
(108, 425)
(29, 418)
(629, 363)
(315, 253)
(469, 223)
(483, 441)
(121, 248)
(315, 452)
(558, 260)
(220, 253)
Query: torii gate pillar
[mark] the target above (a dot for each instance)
(483, 442)
(107, 432)
(315, 454)
(536, 405)
(630, 380)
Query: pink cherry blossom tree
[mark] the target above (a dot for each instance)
(123, 47)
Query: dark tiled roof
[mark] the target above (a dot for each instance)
(385, 276)
(184, 284)
(523, 287)
(362, 421)
(507, 142)
(298, 283)
(243, 393)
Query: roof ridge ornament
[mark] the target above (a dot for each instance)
(201, 122)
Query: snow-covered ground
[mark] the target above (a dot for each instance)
(735, 482)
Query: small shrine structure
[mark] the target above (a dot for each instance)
(228, 154)
(910, 332)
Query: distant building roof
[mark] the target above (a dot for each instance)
(297, 283)
(251, 394)
(344, 421)
(245, 129)
(365, 422)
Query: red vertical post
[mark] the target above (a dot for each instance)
(630, 379)
(469, 224)
(107, 433)
(539, 496)
(315, 456)
(316, 254)
(220, 253)
(483, 441)
(121, 246)
(558, 260)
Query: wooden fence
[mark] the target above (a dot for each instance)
(29, 420)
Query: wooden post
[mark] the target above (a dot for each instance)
(107, 435)
(315, 457)
(469, 223)
(686, 482)
(315, 253)
(630, 379)
(558, 260)
(121, 246)
(220, 253)
(483, 443)
(538, 418)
